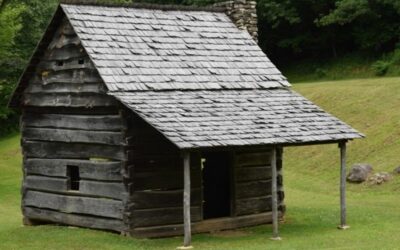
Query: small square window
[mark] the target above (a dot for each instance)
(60, 63)
(73, 178)
(81, 61)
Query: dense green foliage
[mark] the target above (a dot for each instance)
(290, 32)
(21, 25)
(311, 179)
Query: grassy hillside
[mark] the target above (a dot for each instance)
(350, 66)
(311, 182)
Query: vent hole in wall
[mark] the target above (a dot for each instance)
(81, 61)
(60, 63)
(73, 178)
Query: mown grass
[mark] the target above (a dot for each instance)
(311, 185)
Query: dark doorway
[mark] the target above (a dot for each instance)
(216, 184)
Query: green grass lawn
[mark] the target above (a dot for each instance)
(311, 185)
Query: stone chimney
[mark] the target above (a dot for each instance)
(243, 13)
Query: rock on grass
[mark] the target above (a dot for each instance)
(359, 173)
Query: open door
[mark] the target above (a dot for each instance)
(216, 184)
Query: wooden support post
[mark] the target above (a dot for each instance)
(274, 190)
(186, 203)
(343, 225)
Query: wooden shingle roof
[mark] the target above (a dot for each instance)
(197, 78)
(141, 49)
(215, 118)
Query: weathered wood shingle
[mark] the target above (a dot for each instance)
(194, 119)
(140, 49)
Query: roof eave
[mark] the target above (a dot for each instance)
(265, 146)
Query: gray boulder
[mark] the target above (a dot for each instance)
(396, 170)
(359, 172)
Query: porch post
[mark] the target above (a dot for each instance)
(274, 190)
(343, 225)
(186, 202)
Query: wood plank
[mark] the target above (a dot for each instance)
(66, 88)
(112, 110)
(73, 219)
(62, 67)
(103, 189)
(112, 190)
(253, 205)
(83, 122)
(157, 163)
(205, 226)
(61, 150)
(163, 216)
(72, 100)
(164, 179)
(252, 159)
(253, 189)
(46, 183)
(91, 170)
(253, 174)
(67, 135)
(63, 40)
(81, 75)
(164, 198)
(74, 204)
(65, 53)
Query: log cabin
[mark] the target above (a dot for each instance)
(156, 121)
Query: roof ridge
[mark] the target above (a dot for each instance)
(151, 6)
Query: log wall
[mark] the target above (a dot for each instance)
(252, 188)
(68, 120)
(156, 179)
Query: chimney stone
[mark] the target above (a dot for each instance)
(243, 13)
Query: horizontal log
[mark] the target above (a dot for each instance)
(160, 163)
(142, 150)
(112, 110)
(66, 88)
(73, 76)
(253, 189)
(63, 40)
(74, 204)
(253, 205)
(82, 100)
(163, 216)
(73, 219)
(164, 198)
(91, 188)
(164, 180)
(57, 67)
(103, 189)
(67, 29)
(210, 225)
(253, 174)
(253, 159)
(67, 135)
(61, 150)
(83, 122)
(46, 183)
(172, 162)
(91, 170)
(65, 53)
